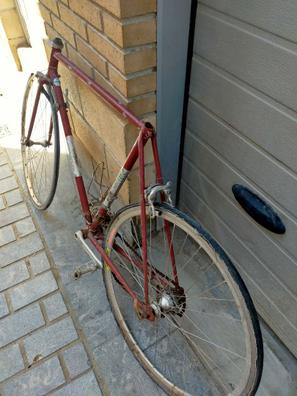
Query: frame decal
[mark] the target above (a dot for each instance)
(56, 82)
(115, 188)
(73, 156)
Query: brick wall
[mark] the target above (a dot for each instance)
(113, 41)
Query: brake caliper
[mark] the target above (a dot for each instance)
(151, 193)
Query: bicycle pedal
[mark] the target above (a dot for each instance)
(85, 269)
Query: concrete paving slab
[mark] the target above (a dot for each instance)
(20, 249)
(39, 262)
(6, 235)
(3, 306)
(11, 361)
(50, 339)
(13, 274)
(32, 290)
(54, 306)
(5, 171)
(76, 360)
(38, 381)
(20, 323)
(13, 197)
(84, 385)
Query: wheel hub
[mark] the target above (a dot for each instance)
(172, 300)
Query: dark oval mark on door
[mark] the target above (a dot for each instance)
(258, 209)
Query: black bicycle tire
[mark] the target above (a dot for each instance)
(235, 276)
(49, 95)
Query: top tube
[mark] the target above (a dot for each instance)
(119, 107)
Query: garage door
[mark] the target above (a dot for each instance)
(242, 128)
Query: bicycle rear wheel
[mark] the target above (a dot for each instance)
(205, 338)
(41, 147)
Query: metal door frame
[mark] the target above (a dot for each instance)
(175, 27)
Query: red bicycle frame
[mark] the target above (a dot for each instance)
(146, 132)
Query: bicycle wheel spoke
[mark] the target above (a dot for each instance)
(133, 274)
(41, 169)
(211, 288)
(183, 245)
(124, 266)
(209, 359)
(136, 240)
(191, 258)
(209, 342)
(213, 314)
(167, 336)
(170, 246)
(34, 156)
(213, 343)
(131, 260)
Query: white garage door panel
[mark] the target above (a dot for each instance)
(258, 118)
(276, 16)
(242, 128)
(248, 54)
(247, 158)
(220, 172)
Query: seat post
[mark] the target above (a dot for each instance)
(57, 46)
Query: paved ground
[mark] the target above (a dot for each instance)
(41, 348)
(58, 335)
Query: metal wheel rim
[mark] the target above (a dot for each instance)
(53, 182)
(246, 382)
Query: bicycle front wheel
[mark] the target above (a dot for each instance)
(205, 339)
(40, 142)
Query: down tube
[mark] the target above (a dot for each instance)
(71, 149)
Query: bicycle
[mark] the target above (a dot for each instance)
(180, 303)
